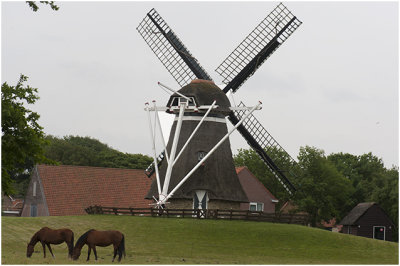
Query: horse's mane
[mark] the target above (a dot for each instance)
(34, 239)
(83, 237)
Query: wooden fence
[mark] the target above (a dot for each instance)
(206, 214)
(11, 211)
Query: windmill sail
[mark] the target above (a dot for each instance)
(151, 168)
(281, 164)
(170, 50)
(257, 47)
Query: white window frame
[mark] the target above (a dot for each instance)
(207, 199)
(201, 155)
(183, 100)
(34, 189)
(256, 204)
(384, 231)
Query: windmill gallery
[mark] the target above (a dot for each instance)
(195, 169)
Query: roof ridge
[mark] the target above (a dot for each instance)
(87, 166)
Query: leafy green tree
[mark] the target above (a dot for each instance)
(22, 139)
(86, 151)
(371, 181)
(323, 190)
(33, 5)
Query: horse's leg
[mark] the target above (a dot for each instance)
(115, 252)
(119, 255)
(44, 249)
(88, 254)
(94, 251)
(69, 248)
(119, 252)
(48, 245)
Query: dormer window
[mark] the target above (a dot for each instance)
(176, 101)
(201, 155)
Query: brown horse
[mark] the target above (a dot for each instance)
(94, 238)
(48, 236)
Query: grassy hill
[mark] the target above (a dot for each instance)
(192, 241)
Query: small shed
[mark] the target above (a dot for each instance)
(368, 219)
(58, 190)
(260, 198)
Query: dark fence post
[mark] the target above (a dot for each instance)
(115, 211)
(131, 210)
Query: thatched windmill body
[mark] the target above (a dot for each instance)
(199, 171)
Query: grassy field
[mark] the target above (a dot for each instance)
(192, 241)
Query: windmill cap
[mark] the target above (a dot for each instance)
(197, 81)
(204, 92)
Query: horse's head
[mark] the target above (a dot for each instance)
(76, 253)
(29, 250)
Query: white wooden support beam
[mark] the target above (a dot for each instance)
(161, 133)
(194, 131)
(162, 201)
(164, 191)
(154, 148)
(174, 91)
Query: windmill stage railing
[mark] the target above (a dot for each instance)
(248, 215)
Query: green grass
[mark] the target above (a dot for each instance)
(192, 241)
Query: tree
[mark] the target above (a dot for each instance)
(323, 190)
(35, 7)
(22, 139)
(371, 181)
(86, 151)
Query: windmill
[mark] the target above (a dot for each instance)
(199, 131)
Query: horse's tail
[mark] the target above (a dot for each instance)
(121, 248)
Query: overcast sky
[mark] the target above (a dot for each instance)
(332, 85)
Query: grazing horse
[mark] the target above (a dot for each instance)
(94, 238)
(48, 236)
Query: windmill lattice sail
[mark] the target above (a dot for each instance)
(281, 164)
(151, 168)
(257, 47)
(170, 50)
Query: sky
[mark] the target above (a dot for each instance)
(332, 85)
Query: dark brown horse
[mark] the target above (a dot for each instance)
(48, 236)
(94, 238)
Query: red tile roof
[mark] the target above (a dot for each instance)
(70, 189)
(244, 181)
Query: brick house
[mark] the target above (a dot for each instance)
(68, 190)
(260, 198)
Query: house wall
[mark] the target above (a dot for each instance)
(212, 204)
(349, 229)
(374, 216)
(35, 199)
(223, 205)
(255, 191)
